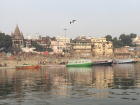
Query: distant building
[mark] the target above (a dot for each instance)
(37, 37)
(136, 41)
(126, 52)
(101, 47)
(57, 46)
(81, 46)
(17, 38)
(63, 39)
(26, 49)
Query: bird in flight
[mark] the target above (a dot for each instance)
(72, 21)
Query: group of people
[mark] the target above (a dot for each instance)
(25, 63)
(39, 62)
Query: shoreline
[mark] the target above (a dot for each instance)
(34, 59)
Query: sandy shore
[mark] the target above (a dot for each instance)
(19, 60)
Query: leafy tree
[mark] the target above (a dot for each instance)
(124, 40)
(133, 35)
(108, 38)
(37, 46)
(5, 40)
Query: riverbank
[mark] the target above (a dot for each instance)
(34, 59)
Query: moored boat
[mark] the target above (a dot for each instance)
(103, 62)
(123, 61)
(79, 63)
(32, 66)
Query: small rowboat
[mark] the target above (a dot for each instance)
(27, 66)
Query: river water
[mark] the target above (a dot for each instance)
(97, 85)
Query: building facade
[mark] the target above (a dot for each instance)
(37, 37)
(17, 38)
(81, 46)
(136, 41)
(126, 52)
(66, 40)
(101, 47)
(58, 46)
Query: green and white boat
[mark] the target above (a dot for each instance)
(76, 63)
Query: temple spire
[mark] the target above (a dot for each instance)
(17, 32)
(21, 35)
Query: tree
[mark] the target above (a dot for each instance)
(5, 40)
(124, 40)
(133, 35)
(37, 46)
(108, 38)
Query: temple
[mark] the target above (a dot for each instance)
(17, 38)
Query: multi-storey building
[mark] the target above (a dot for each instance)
(81, 46)
(57, 46)
(65, 40)
(17, 38)
(101, 47)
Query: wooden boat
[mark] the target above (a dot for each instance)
(103, 62)
(39, 66)
(79, 63)
(27, 66)
(123, 61)
(28, 69)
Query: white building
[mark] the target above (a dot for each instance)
(136, 40)
(62, 39)
(37, 37)
(26, 49)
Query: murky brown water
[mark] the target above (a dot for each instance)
(97, 85)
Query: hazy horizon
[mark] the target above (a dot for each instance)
(94, 18)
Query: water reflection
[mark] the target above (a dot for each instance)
(126, 76)
(45, 85)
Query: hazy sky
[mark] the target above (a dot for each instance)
(94, 18)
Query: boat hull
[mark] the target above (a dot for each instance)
(126, 61)
(79, 65)
(104, 63)
(27, 66)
